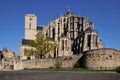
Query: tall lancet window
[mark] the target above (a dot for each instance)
(29, 25)
(62, 44)
(88, 40)
(94, 40)
(66, 44)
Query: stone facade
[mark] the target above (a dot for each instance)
(30, 26)
(73, 34)
(101, 59)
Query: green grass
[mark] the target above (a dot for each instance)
(69, 69)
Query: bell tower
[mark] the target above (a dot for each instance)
(30, 26)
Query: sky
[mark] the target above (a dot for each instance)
(104, 13)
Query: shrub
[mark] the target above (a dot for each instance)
(51, 67)
(118, 70)
(28, 58)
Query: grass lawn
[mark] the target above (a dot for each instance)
(74, 69)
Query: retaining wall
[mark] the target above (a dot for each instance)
(47, 63)
(106, 58)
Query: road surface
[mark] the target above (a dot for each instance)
(41, 75)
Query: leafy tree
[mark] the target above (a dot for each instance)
(29, 52)
(42, 46)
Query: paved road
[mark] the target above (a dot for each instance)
(38, 75)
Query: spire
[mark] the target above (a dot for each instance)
(79, 14)
(68, 8)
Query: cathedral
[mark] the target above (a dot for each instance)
(74, 34)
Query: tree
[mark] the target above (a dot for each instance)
(42, 46)
(29, 52)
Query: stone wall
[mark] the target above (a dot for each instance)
(1, 67)
(66, 62)
(101, 59)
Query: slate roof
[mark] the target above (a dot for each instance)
(39, 27)
(26, 42)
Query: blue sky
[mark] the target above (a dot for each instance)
(104, 13)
